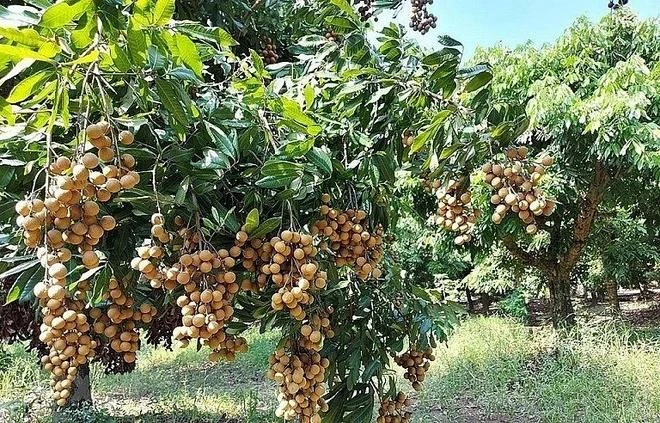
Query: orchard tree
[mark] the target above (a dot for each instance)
(572, 128)
(158, 176)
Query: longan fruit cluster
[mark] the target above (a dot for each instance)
(293, 269)
(64, 330)
(149, 256)
(349, 240)
(332, 36)
(454, 212)
(421, 20)
(394, 410)
(515, 189)
(119, 323)
(301, 375)
(255, 253)
(416, 363)
(206, 306)
(365, 8)
(269, 52)
(614, 5)
(314, 330)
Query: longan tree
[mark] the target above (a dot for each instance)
(143, 190)
(569, 130)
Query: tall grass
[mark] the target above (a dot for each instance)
(598, 373)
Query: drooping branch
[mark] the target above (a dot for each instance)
(527, 257)
(585, 218)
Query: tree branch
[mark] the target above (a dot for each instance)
(585, 218)
(526, 257)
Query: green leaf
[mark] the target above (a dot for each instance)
(281, 168)
(163, 12)
(267, 227)
(62, 13)
(293, 111)
(251, 221)
(448, 41)
(320, 159)
(28, 36)
(299, 148)
(201, 32)
(257, 61)
(169, 97)
(119, 58)
(478, 81)
(228, 146)
(19, 284)
(88, 58)
(187, 52)
(273, 182)
(137, 44)
(15, 52)
(182, 192)
(422, 139)
(212, 160)
(29, 86)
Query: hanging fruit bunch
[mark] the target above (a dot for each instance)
(315, 329)
(365, 8)
(150, 255)
(301, 375)
(614, 5)
(394, 410)
(515, 188)
(293, 269)
(416, 363)
(119, 324)
(345, 235)
(332, 36)
(421, 20)
(206, 303)
(269, 52)
(67, 219)
(454, 212)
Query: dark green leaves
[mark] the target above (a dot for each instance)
(169, 97)
(268, 226)
(321, 159)
(478, 81)
(227, 144)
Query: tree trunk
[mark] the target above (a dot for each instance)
(81, 394)
(613, 296)
(563, 314)
(470, 303)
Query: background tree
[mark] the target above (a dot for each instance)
(591, 101)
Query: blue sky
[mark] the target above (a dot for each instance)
(486, 22)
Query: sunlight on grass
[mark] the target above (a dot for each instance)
(596, 374)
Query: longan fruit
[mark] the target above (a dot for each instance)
(126, 137)
(106, 154)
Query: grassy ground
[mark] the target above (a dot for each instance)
(492, 370)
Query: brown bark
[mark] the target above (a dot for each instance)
(563, 314)
(585, 218)
(613, 296)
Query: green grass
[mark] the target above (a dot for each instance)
(496, 369)
(491, 370)
(179, 385)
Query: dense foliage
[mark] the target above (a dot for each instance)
(205, 168)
